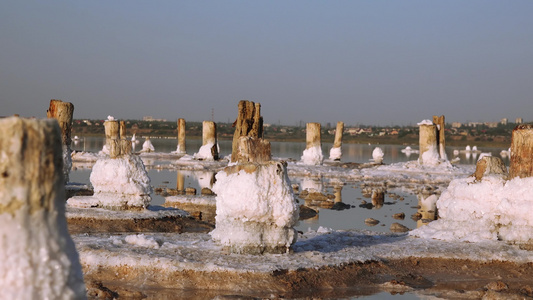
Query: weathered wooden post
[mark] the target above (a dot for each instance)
(39, 259)
(312, 154)
(125, 145)
(441, 142)
(521, 152)
(112, 137)
(428, 143)
(180, 183)
(336, 153)
(63, 112)
(248, 143)
(181, 137)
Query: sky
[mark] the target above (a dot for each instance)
(361, 62)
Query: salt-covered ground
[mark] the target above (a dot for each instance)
(159, 260)
(361, 259)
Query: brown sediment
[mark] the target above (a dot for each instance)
(177, 224)
(448, 278)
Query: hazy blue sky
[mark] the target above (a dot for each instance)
(361, 62)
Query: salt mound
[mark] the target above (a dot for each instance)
(490, 209)
(256, 209)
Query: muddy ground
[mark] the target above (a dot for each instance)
(442, 278)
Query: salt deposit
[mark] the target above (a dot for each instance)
(377, 155)
(425, 122)
(431, 156)
(204, 153)
(117, 182)
(335, 153)
(147, 146)
(312, 156)
(490, 209)
(256, 209)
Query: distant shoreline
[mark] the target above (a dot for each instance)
(357, 140)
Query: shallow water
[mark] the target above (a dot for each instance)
(351, 193)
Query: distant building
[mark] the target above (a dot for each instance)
(151, 119)
(519, 121)
(457, 124)
(504, 121)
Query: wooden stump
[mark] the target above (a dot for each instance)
(39, 259)
(181, 137)
(441, 141)
(427, 141)
(125, 145)
(312, 135)
(522, 152)
(249, 123)
(209, 137)
(490, 165)
(112, 137)
(62, 112)
(338, 135)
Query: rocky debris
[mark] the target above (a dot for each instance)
(340, 206)
(306, 212)
(497, 286)
(207, 191)
(399, 216)
(371, 222)
(397, 227)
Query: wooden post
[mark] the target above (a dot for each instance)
(338, 135)
(35, 239)
(441, 141)
(427, 142)
(521, 152)
(112, 137)
(125, 145)
(63, 112)
(249, 123)
(490, 165)
(209, 137)
(180, 183)
(181, 137)
(312, 135)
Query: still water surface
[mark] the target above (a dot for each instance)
(351, 193)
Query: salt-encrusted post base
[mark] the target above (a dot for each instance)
(256, 209)
(522, 152)
(335, 153)
(119, 183)
(209, 149)
(312, 154)
(429, 154)
(37, 255)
